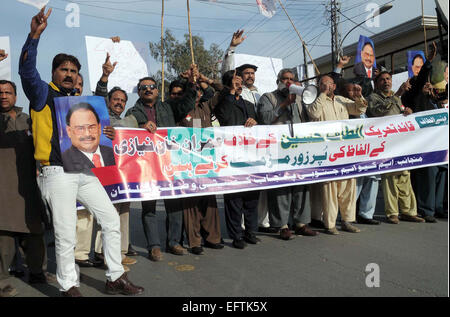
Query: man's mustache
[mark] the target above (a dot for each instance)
(87, 138)
(118, 105)
(68, 79)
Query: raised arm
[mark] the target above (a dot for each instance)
(34, 87)
(228, 60)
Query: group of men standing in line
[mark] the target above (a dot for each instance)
(193, 99)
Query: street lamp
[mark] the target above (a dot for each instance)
(377, 12)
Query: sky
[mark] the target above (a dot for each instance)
(215, 21)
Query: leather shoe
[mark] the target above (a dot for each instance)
(404, 217)
(305, 231)
(366, 221)
(267, 229)
(128, 261)
(123, 286)
(38, 278)
(393, 219)
(346, 226)
(131, 251)
(99, 256)
(155, 254)
(178, 250)
(250, 237)
(213, 245)
(197, 250)
(332, 231)
(239, 243)
(8, 291)
(285, 234)
(317, 224)
(430, 219)
(89, 263)
(72, 292)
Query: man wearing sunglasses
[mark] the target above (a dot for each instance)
(152, 113)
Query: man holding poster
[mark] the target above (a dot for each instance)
(62, 190)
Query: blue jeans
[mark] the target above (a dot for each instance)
(367, 190)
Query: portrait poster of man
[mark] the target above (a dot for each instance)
(80, 127)
(416, 59)
(365, 63)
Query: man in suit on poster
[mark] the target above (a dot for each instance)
(84, 130)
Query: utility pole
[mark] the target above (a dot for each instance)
(334, 7)
(304, 60)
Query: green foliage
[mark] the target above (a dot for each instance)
(177, 56)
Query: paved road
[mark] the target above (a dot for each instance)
(412, 258)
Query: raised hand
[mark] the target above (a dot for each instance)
(107, 67)
(115, 39)
(39, 23)
(3, 55)
(237, 38)
(403, 88)
(193, 73)
(357, 91)
(344, 60)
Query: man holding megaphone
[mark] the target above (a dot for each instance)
(283, 106)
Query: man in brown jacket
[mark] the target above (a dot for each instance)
(337, 195)
(200, 213)
(22, 209)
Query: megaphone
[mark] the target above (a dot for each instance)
(297, 90)
(310, 94)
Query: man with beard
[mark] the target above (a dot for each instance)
(399, 198)
(280, 107)
(151, 113)
(62, 190)
(340, 195)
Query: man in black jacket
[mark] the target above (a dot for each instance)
(151, 113)
(233, 110)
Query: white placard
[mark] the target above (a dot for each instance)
(133, 59)
(268, 68)
(398, 80)
(35, 3)
(5, 65)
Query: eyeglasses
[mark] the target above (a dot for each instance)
(145, 87)
(81, 129)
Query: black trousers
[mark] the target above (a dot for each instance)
(236, 205)
(429, 187)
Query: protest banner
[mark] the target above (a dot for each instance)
(132, 62)
(182, 162)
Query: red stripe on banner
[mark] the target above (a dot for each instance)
(138, 167)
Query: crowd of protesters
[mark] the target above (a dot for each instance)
(38, 194)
